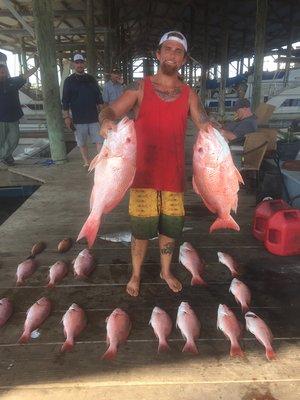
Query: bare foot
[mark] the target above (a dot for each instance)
(172, 282)
(133, 286)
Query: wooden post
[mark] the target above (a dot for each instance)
(224, 62)
(289, 47)
(261, 17)
(24, 66)
(91, 56)
(44, 30)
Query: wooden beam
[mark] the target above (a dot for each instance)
(58, 32)
(43, 22)
(90, 39)
(9, 5)
(261, 18)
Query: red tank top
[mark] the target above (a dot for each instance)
(160, 129)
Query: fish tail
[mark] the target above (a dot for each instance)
(236, 351)
(163, 347)
(245, 308)
(90, 229)
(235, 274)
(270, 353)
(67, 346)
(110, 353)
(25, 337)
(51, 285)
(190, 347)
(197, 280)
(224, 223)
(20, 282)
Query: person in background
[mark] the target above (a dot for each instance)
(81, 103)
(113, 89)
(245, 122)
(10, 112)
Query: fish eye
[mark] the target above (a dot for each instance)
(200, 150)
(128, 140)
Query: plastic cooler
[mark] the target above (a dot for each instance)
(263, 212)
(283, 233)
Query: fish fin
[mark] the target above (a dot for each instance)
(239, 176)
(195, 187)
(190, 347)
(90, 229)
(50, 285)
(235, 205)
(197, 280)
(163, 347)
(224, 223)
(270, 354)
(25, 337)
(236, 351)
(110, 353)
(67, 346)
(92, 198)
(95, 161)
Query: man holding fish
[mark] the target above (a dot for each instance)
(162, 103)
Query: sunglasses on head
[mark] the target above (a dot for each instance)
(175, 34)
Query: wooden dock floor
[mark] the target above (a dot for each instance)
(38, 370)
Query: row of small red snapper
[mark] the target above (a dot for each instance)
(83, 266)
(118, 326)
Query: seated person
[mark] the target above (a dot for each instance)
(245, 122)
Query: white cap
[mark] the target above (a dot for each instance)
(174, 35)
(78, 57)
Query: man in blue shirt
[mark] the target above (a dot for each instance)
(113, 88)
(81, 102)
(245, 122)
(10, 112)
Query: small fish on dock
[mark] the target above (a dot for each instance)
(230, 326)
(37, 248)
(230, 262)
(65, 245)
(189, 257)
(84, 264)
(189, 326)
(74, 322)
(118, 326)
(6, 310)
(57, 272)
(36, 316)
(262, 332)
(162, 327)
(25, 270)
(241, 293)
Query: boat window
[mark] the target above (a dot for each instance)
(291, 103)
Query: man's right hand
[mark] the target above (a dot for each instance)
(69, 123)
(107, 125)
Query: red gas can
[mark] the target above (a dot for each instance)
(283, 233)
(263, 212)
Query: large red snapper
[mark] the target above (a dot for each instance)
(215, 177)
(118, 326)
(36, 315)
(231, 328)
(6, 310)
(115, 168)
(162, 326)
(57, 272)
(189, 326)
(74, 322)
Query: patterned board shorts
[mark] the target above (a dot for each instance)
(83, 131)
(152, 212)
